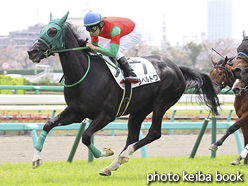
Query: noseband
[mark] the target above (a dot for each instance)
(244, 90)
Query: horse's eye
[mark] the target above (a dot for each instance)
(220, 74)
(52, 32)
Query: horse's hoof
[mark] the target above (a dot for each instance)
(235, 162)
(107, 152)
(105, 172)
(123, 159)
(213, 147)
(37, 163)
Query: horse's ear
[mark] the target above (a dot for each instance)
(225, 61)
(244, 34)
(214, 63)
(63, 19)
(51, 16)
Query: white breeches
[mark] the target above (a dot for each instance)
(126, 42)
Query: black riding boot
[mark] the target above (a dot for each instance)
(129, 73)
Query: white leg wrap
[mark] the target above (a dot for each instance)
(128, 152)
(116, 163)
(244, 152)
(37, 155)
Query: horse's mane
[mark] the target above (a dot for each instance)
(76, 33)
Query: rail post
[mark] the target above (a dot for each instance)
(213, 153)
(199, 138)
(76, 142)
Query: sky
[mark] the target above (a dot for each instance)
(183, 19)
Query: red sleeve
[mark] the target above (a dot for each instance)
(94, 39)
(116, 39)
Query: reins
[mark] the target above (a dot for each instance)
(49, 51)
(74, 84)
(56, 44)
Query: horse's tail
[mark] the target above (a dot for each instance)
(201, 85)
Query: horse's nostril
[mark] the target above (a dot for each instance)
(32, 52)
(236, 72)
(235, 90)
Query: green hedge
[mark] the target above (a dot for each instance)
(7, 80)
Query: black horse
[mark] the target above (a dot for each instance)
(97, 96)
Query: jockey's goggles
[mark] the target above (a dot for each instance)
(92, 28)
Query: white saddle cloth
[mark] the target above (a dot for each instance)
(143, 68)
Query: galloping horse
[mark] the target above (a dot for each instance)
(97, 96)
(239, 69)
(221, 76)
(240, 89)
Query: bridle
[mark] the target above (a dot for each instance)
(223, 84)
(241, 57)
(244, 90)
(242, 53)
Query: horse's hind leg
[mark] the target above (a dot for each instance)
(134, 125)
(153, 134)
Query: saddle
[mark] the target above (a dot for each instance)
(143, 69)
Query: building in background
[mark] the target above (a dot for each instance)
(219, 25)
(25, 38)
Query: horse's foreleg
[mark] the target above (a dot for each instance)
(214, 146)
(37, 160)
(245, 134)
(229, 131)
(243, 155)
(97, 153)
(97, 124)
(64, 118)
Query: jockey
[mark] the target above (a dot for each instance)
(121, 34)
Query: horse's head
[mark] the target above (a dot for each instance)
(241, 62)
(241, 85)
(219, 74)
(51, 38)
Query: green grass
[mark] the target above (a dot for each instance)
(132, 173)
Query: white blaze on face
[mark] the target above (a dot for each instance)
(234, 84)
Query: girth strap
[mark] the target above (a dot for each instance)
(127, 94)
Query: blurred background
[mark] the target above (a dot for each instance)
(184, 31)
